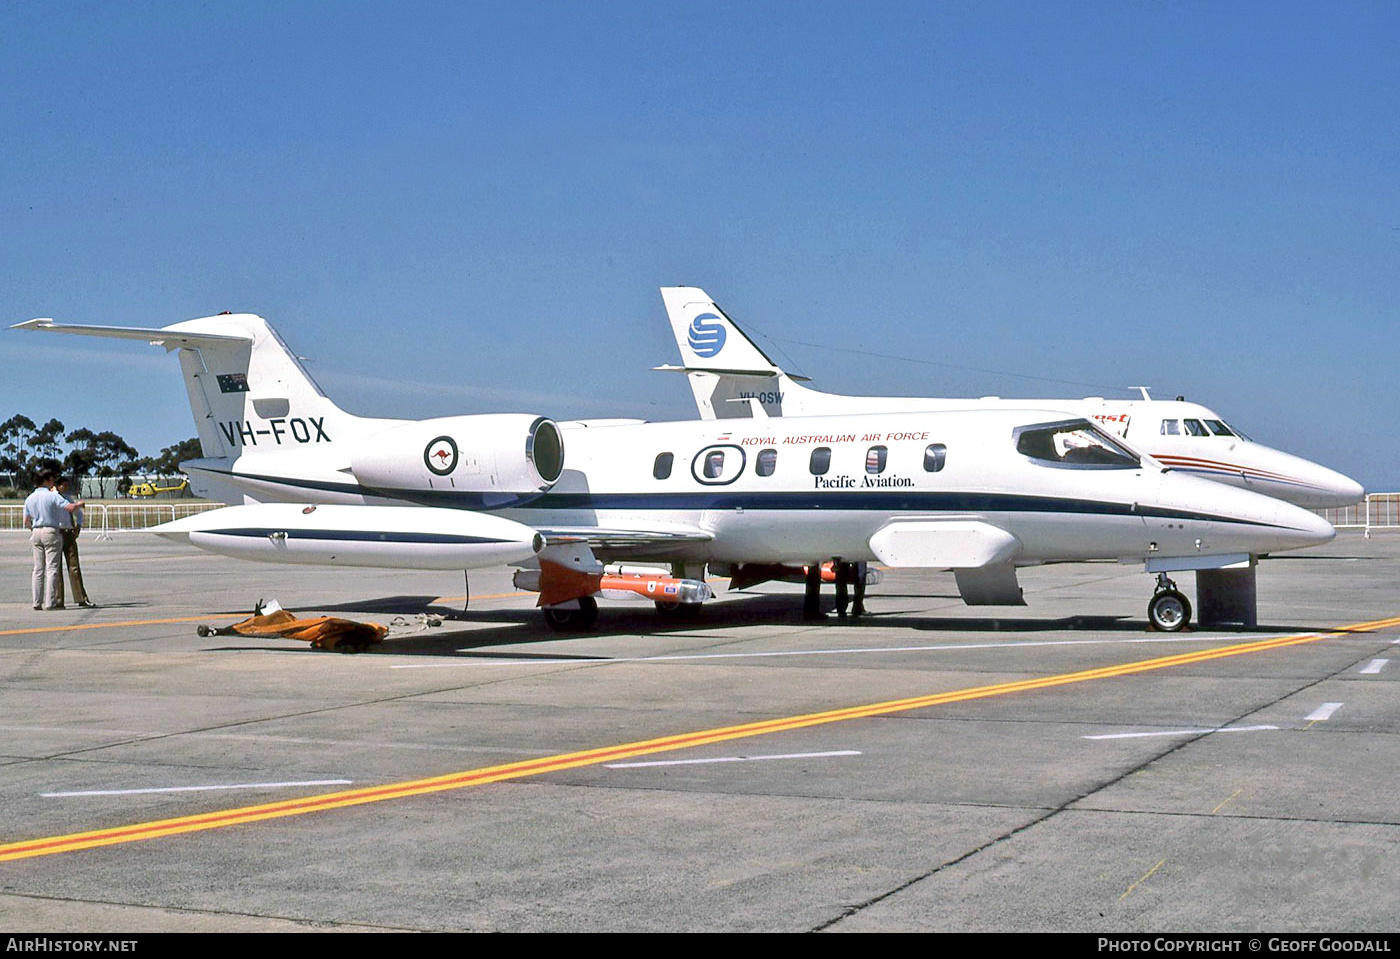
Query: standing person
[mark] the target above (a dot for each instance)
(70, 543)
(843, 576)
(46, 514)
(858, 607)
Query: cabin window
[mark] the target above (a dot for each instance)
(661, 469)
(1076, 444)
(767, 462)
(1219, 428)
(718, 465)
(1171, 427)
(1196, 428)
(821, 461)
(714, 464)
(935, 455)
(875, 459)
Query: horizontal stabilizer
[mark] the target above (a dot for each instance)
(170, 339)
(719, 371)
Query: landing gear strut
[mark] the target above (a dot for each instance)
(1169, 610)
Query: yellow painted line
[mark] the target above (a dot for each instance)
(458, 599)
(1226, 801)
(206, 617)
(535, 767)
(1127, 892)
(132, 622)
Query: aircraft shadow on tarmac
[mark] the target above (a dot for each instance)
(474, 632)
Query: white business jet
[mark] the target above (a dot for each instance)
(731, 377)
(981, 492)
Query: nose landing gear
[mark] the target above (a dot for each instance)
(1169, 610)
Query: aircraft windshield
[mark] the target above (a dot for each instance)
(1077, 444)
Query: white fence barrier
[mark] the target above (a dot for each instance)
(104, 518)
(1377, 511)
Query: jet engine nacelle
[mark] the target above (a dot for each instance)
(505, 453)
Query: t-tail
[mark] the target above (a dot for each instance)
(729, 375)
(248, 393)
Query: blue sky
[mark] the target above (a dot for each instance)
(468, 207)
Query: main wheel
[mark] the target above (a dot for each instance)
(678, 610)
(1169, 611)
(563, 620)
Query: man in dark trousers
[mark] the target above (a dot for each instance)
(70, 544)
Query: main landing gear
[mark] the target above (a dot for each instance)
(1169, 610)
(574, 617)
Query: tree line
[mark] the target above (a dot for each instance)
(27, 448)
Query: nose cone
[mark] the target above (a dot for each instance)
(1305, 528)
(1335, 490)
(1299, 481)
(1238, 521)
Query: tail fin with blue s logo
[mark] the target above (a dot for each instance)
(708, 339)
(728, 374)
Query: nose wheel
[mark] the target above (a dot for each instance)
(1169, 611)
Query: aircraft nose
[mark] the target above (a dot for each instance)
(1307, 528)
(1346, 491)
(1323, 488)
(1306, 483)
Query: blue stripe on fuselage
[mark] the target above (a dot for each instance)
(356, 536)
(805, 500)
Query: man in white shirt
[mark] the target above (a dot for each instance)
(46, 515)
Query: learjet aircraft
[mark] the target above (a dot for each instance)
(732, 378)
(982, 492)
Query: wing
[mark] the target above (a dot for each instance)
(657, 542)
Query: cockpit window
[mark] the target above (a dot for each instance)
(1195, 428)
(1219, 428)
(1074, 443)
(1171, 427)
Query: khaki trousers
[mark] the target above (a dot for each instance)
(75, 572)
(47, 545)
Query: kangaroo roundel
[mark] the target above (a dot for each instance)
(441, 455)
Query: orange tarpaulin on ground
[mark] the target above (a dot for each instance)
(322, 632)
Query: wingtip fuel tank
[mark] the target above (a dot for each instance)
(404, 537)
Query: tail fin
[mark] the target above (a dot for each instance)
(729, 375)
(708, 339)
(247, 391)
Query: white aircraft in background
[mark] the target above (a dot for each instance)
(981, 492)
(731, 377)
